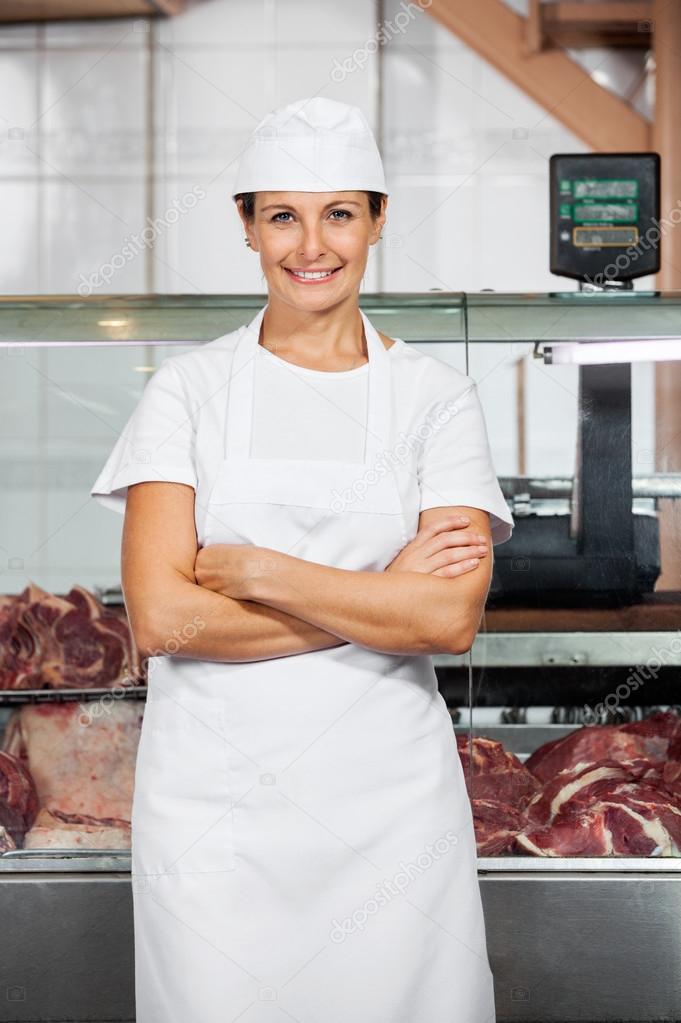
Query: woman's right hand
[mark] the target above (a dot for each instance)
(444, 548)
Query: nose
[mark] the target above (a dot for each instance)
(311, 244)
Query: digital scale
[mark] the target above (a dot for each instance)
(604, 216)
(604, 232)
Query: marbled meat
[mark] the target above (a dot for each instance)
(71, 642)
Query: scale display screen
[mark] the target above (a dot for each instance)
(613, 212)
(600, 236)
(616, 188)
(604, 216)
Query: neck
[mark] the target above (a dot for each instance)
(325, 337)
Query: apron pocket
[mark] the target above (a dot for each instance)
(332, 486)
(182, 816)
(340, 513)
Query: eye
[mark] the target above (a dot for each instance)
(284, 213)
(345, 212)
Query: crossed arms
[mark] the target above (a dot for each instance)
(244, 603)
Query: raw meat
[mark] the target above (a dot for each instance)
(499, 787)
(18, 800)
(603, 790)
(495, 773)
(610, 817)
(56, 830)
(64, 642)
(594, 743)
(6, 843)
(584, 783)
(496, 825)
(80, 755)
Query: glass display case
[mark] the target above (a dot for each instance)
(565, 712)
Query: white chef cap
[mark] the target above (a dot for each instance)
(312, 145)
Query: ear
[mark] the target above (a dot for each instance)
(379, 223)
(248, 229)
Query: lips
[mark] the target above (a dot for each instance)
(313, 280)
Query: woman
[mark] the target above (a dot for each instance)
(303, 844)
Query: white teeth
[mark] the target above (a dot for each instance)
(311, 276)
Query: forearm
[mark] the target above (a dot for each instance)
(195, 622)
(399, 612)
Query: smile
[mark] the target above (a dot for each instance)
(312, 276)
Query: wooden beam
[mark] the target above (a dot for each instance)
(581, 26)
(534, 31)
(568, 39)
(615, 16)
(601, 119)
(667, 142)
(61, 10)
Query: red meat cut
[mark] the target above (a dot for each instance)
(64, 642)
(499, 787)
(496, 825)
(646, 742)
(18, 800)
(603, 809)
(54, 829)
(81, 756)
(6, 841)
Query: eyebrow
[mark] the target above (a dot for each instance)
(284, 206)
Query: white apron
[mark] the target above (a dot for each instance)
(302, 841)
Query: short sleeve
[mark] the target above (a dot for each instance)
(157, 442)
(455, 462)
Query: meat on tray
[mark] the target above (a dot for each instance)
(54, 829)
(72, 642)
(611, 817)
(6, 842)
(499, 787)
(602, 790)
(18, 801)
(644, 741)
(81, 758)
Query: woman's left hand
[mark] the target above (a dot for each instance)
(229, 568)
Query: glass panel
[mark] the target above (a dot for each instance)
(529, 317)
(62, 409)
(72, 371)
(573, 678)
(196, 318)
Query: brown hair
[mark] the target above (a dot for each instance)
(375, 203)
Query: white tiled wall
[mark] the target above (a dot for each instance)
(105, 123)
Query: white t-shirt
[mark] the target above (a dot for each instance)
(439, 432)
(308, 413)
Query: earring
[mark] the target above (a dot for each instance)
(247, 241)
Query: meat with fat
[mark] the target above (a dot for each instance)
(644, 742)
(6, 842)
(499, 787)
(603, 809)
(81, 755)
(18, 799)
(54, 829)
(496, 825)
(71, 642)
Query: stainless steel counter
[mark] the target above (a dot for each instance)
(594, 941)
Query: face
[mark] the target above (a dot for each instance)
(298, 232)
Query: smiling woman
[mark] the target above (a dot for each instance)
(295, 748)
(313, 250)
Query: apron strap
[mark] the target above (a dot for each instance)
(241, 393)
